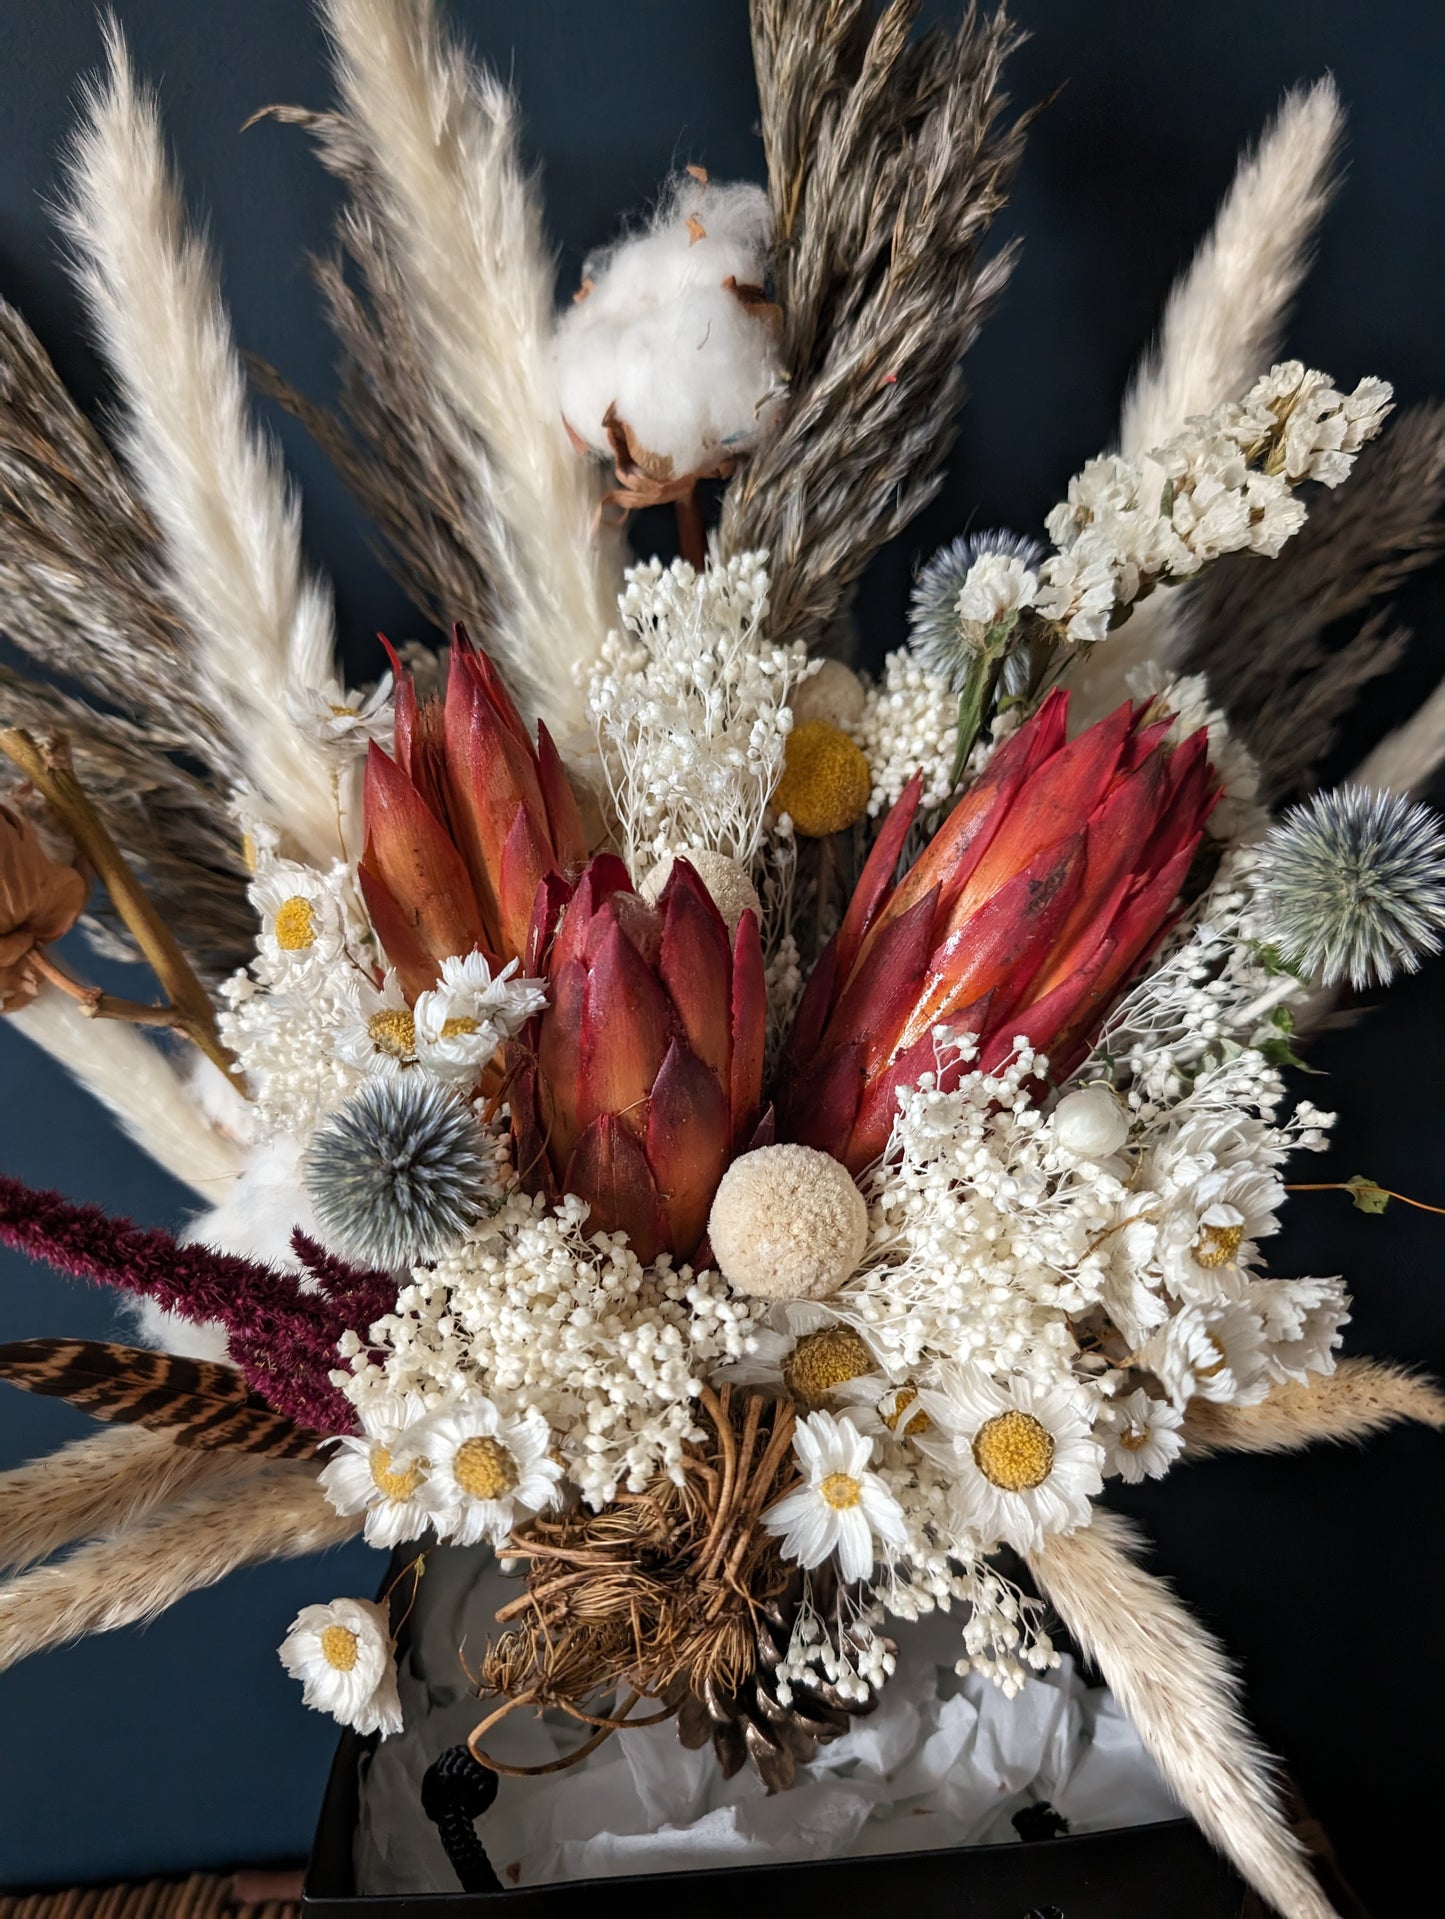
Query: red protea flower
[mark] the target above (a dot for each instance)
(1026, 915)
(643, 1077)
(464, 823)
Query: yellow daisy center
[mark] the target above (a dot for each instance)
(840, 1491)
(393, 1031)
(900, 1416)
(295, 924)
(1216, 1367)
(1134, 1437)
(825, 783)
(1217, 1245)
(484, 1469)
(392, 1484)
(458, 1028)
(339, 1647)
(1014, 1451)
(344, 712)
(822, 1360)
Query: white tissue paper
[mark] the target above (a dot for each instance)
(942, 1761)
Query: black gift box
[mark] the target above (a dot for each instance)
(1163, 1871)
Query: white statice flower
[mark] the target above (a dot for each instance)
(343, 722)
(363, 1474)
(343, 1655)
(1210, 1352)
(996, 585)
(909, 725)
(483, 1471)
(841, 1506)
(463, 1020)
(1142, 1436)
(1303, 1323)
(1022, 1457)
(689, 700)
(377, 1033)
(303, 930)
(1078, 588)
(1316, 429)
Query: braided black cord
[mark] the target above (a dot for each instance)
(455, 1791)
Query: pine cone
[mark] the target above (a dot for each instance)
(752, 1723)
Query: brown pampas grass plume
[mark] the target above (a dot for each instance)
(887, 160)
(1361, 1397)
(100, 1484)
(137, 1572)
(1172, 1678)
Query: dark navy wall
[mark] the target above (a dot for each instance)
(185, 1744)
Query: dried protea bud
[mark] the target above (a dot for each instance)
(40, 899)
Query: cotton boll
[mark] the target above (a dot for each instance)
(671, 339)
(1090, 1123)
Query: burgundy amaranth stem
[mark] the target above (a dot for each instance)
(283, 1341)
(359, 1295)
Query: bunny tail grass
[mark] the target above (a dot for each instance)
(1172, 1679)
(1361, 1396)
(136, 1573)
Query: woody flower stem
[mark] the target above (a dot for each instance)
(691, 539)
(190, 1011)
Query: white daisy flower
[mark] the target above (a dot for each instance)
(363, 1476)
(484, 1472)
(303, 923)
(346, 722)
(344, 1658)
(1302, 1320)
(462, 1021)
(1210, 1352)
(1206, 1243)
(377, 1033)
(1024, 1460)
(1141, 1436)
(841, 1507)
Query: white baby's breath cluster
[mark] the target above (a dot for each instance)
(537, 1316)
(908, 725)
(690, 705)
(1223, 485)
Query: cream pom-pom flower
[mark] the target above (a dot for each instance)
(1141, 1435)
(787, 1222)
(728, 881)
(841, 1507)
(363, 1475)
(465, 1017)
(344, 1657)
(483, 1471)
(1023, 1459)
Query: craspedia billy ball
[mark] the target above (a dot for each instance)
(399, 1174)
(825, 783)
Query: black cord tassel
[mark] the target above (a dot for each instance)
(455, 1791)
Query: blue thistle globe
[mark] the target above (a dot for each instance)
(400, 1174)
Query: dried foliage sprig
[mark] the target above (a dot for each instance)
(190, 1010)
(1173, 1680)
(887, 161)
(1262, 633)
(84, 585)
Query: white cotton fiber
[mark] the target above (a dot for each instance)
(665, 340)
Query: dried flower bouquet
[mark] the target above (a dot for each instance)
(748, 1141)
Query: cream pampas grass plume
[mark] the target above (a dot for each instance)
(1407, 760)
(436, 140)
(230, 525)
(1361, 1397)
(1172, 1679)
(137, 1572)
(102, 1484)
(134, 1079)
(1220, 330)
